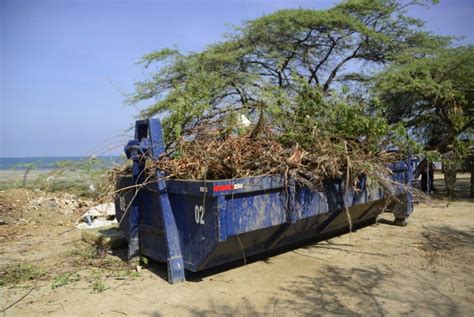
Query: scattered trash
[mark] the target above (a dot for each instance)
(98, 216)
(138, 268)
(66, 203)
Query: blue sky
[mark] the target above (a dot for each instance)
(64, 65)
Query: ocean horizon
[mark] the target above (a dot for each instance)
(52, 162)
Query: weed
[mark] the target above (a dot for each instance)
(21, 273)
(64, 279)
(83, 253)
(127, 274)
(143, 260)
(98, 286)
(95, 280)
(86, 255)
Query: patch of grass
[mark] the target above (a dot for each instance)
(96, 282)
(22, 273)
(126, 274)
(83, 252)
(98, 286)
(86, 255)
(64, 279)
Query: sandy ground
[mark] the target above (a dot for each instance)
(424, 269)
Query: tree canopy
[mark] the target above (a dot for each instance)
(431, 94)
(292, 63)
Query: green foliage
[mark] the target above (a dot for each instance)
(126, 274)
(144, 260)
(86, 178)
(317, 115)
(98, 286)
(431, 95)
(96, 282)
(264, 63)
(22, 273)
(27, 167)
(64, 279)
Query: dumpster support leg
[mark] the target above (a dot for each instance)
(173, 245)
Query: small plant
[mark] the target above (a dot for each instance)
(143, 260)
(64, 279)
(27, 167)
(95, 280)
(127, 274)
(98, 286)
(83, 253)
(21, 273)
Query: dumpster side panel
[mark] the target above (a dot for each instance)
(309, 203)
(217, 227)
(197, 219)
(253, 211)
(123, 203)
(152, 240)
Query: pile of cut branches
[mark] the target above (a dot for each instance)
(208, 157)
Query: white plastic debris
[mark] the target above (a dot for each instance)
(243, 121)
(98, 216)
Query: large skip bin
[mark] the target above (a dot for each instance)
(194, 225)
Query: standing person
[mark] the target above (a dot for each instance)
(427, 176)
(472, 177)
(470, 166)
(450, 170)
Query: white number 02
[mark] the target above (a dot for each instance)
(199, 214)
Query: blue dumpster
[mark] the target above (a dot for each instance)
(194, 225)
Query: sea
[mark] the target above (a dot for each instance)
(47, 163)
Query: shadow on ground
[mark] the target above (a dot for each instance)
(343, 291)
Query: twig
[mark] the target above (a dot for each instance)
(68, 230)
(18, 300)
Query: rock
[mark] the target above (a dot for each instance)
(108, 237)
(3, 222)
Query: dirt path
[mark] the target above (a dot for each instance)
(423, 269)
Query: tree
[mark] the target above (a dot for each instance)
(28, 167)
(268, 64)
(432, 95)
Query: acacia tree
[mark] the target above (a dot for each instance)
(432, 95)
(271, 63)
